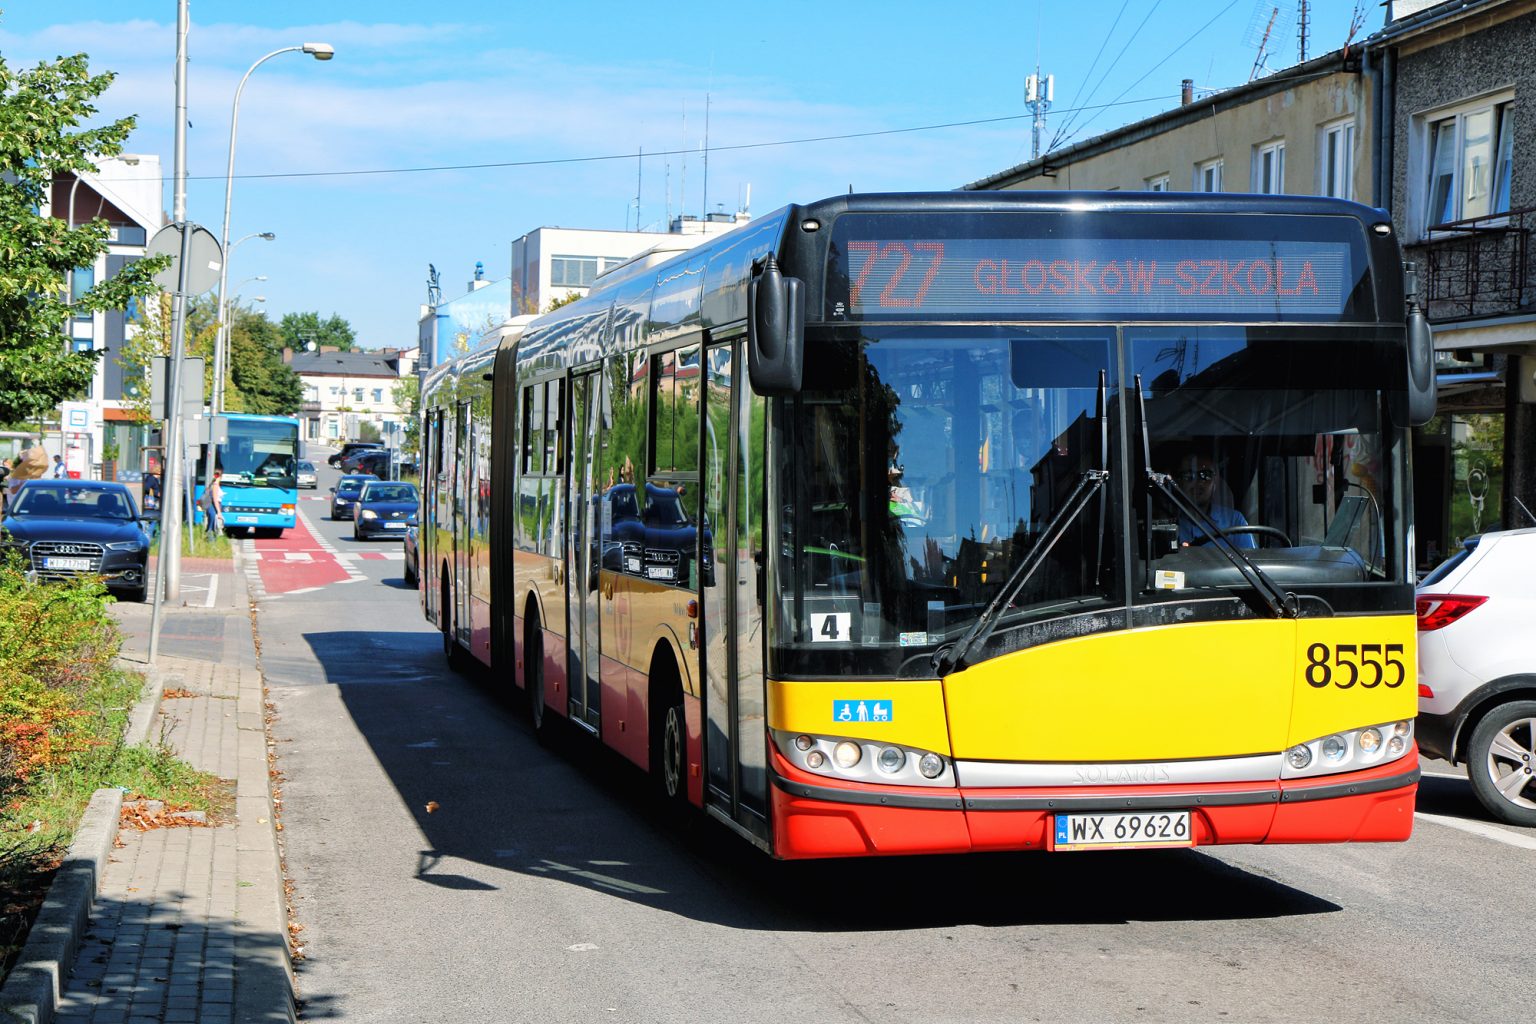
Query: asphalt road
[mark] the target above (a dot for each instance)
(544, 887)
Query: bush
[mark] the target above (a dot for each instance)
(56, 642)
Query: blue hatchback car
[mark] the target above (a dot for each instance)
(385, 508)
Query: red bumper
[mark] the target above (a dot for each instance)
(814, 819)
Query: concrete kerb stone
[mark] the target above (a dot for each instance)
(31, 992)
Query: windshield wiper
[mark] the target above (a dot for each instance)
(952, 656)
(1282, 604)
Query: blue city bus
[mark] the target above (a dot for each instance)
(259, 459)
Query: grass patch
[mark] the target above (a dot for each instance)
(196, 543)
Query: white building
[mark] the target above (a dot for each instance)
(125, 191)
(344, 390)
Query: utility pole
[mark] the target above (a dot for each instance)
(168, 575)
(1039, 94)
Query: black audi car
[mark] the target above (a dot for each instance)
(80, 527)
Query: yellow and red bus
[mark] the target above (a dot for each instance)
(931, 523)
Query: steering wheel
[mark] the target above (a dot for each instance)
(1263, 531)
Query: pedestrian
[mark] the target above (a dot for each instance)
(151, 489)
(213, 500)
(59, 473)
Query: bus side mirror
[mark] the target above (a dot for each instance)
(775, 331)
(1421, 356)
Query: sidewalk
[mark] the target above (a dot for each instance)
(188, 923)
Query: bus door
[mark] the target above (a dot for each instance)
(582, 590)
(463, 451)
(431, 520)
(731, 541)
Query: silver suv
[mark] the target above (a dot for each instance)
(1477, 669)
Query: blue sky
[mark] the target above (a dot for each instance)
(418, 86)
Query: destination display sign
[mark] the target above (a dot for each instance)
(1092, 278)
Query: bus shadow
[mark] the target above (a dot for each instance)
(485, 791)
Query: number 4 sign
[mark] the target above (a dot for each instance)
(830, 627)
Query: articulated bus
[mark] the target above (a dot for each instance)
(967, 521)
(260, 462)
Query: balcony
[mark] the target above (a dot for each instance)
(1478, 267)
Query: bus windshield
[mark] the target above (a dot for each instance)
(928, 462)
(260, 454)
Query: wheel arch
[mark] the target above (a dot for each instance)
(1481, 702)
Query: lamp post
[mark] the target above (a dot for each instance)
(319, 51)
(221, 336)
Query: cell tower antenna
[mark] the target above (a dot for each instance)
(639, 182)
(1302, 23)
(1039, 94)
(704, 213)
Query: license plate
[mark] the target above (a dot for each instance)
(1121, 831)
(394, 526)
(661, 572)
(245, 519)
(68, 564)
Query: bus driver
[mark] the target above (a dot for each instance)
(1200, 477)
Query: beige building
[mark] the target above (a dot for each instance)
(1302, 130)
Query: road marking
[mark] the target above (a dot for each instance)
(1442, 775)
(213, 590)
(1481, 828)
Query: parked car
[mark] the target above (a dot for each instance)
(306, 474)
(345, 494)
(412, 556)
(351, 448)
(377, 463)
(80, 528)
(384, 508)
(1477, 669)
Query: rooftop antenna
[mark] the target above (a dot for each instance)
(639, 170)
(1301, 27)
(1268, 21)
(704, 213)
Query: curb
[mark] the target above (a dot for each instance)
(31, 992)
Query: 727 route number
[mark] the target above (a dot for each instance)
(1344, 665)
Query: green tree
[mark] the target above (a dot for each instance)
(39, 111)
(407, 395)
(301, 328)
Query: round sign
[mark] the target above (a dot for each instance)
(203, 264)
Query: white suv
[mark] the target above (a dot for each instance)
(1477, 669)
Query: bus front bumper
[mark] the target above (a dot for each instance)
(811, 818)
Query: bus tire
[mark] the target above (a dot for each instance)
(669, 734)
(451, 649)
(533, 678)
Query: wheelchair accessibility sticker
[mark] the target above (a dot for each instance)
(861, 710)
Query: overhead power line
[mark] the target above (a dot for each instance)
(690, 151)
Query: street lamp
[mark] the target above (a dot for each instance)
(319, 51)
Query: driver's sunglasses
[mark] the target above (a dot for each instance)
(1190, 476)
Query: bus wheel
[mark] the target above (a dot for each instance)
(533, 677)
(451, 649)
(669, 734)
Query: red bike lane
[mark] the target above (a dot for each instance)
(297, 561)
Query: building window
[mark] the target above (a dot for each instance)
(1338, 156)
(1469, 158)
(572, 271)
(378, 394)
(1208, 176)
(1159, 184)
(337, 392)
(357, 394)
(1269, 168)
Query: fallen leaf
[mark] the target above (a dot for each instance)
(432, 806)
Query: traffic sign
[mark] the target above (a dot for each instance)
(204, 262)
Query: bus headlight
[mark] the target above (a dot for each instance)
(857, 760)
(1349, 751)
